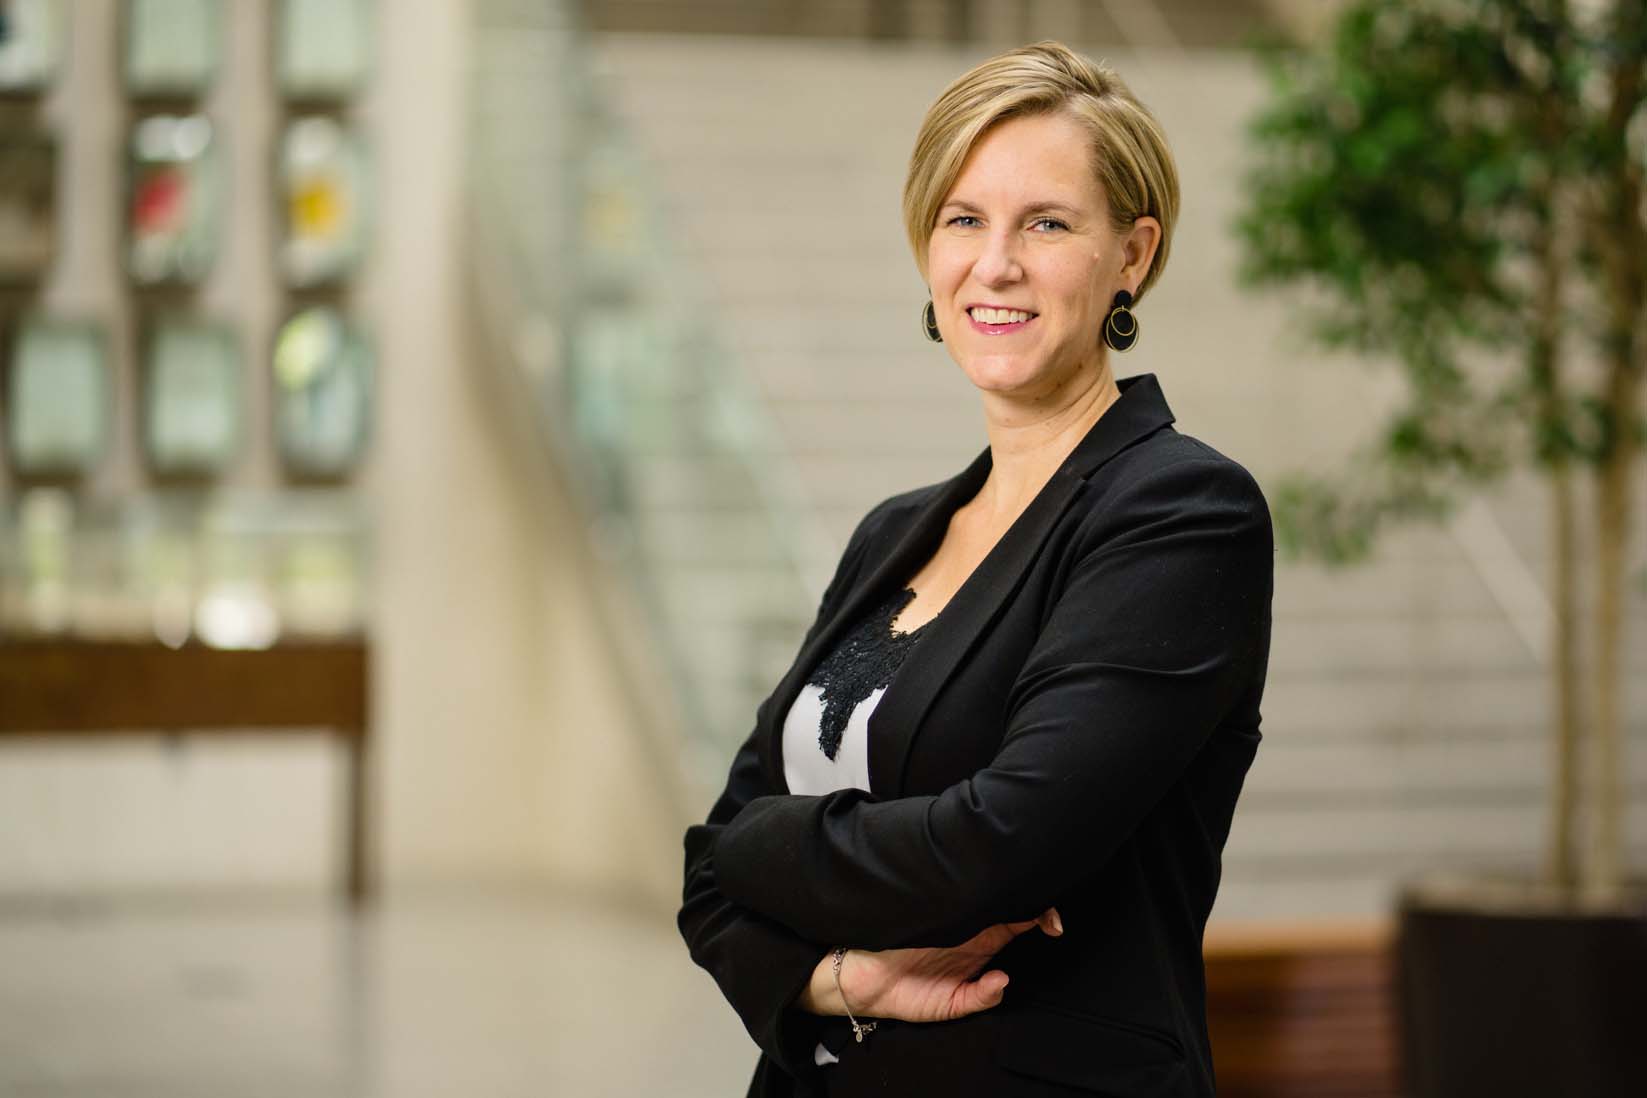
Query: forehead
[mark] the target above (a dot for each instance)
(1042, 157)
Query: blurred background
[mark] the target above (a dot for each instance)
(428, 427)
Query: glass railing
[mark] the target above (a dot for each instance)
(587, 306)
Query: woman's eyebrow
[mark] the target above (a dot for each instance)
(1032, 208)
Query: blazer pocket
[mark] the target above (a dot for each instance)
(1106, 1056)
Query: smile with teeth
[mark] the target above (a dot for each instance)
(998, 316)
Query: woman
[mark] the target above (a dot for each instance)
(973, 840)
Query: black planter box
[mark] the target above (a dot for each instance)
(1502, 997)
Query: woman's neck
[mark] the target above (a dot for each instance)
(1028, 443)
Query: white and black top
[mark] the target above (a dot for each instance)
(826, 731)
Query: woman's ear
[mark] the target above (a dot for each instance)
(1138, 248)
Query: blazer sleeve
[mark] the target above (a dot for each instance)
(759, 964)
(1163, 621)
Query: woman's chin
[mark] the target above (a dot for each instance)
(1006, 376)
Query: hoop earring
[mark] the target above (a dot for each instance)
(929, 323)
(1121, 327)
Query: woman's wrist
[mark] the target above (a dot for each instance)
(819, 995)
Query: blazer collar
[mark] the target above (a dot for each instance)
(1140, 410)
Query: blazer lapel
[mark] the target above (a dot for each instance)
(893, 725)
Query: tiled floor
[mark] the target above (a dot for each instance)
(461, 996)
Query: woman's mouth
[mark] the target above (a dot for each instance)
(999, 321)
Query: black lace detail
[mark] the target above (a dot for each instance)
(864, 661)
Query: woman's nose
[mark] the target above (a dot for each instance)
(998, 263)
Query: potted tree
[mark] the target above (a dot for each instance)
(1460, 182)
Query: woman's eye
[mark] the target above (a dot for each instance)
(962, 217)
(1050, 222)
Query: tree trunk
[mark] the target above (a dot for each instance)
(1622, 238)
(1544, 367)
(1604, 868)
(1560, 869)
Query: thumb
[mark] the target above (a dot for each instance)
(984, 992)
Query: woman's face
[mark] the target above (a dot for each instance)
(1025, 230)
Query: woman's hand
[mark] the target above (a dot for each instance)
(920, 985)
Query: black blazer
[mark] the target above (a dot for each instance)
(1072, 729)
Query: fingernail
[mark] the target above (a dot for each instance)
(1058, 921)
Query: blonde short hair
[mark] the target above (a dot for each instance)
(1130, 156)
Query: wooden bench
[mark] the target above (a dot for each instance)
(1303, 1010)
